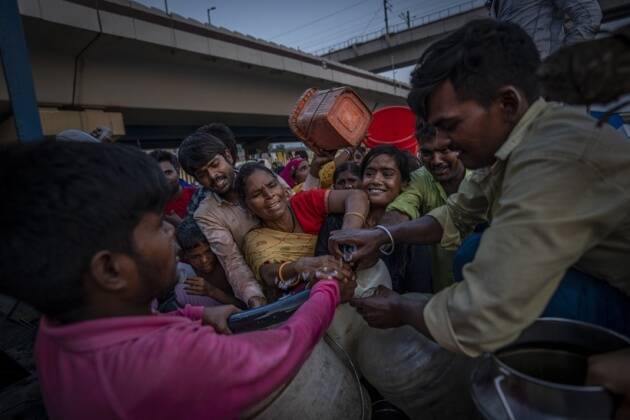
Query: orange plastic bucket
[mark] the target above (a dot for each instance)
(393, 126)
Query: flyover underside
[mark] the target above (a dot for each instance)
(157, 86)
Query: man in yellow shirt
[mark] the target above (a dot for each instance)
(555, 190)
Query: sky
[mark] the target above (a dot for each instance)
(308, 25)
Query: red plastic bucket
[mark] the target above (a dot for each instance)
(394, 126)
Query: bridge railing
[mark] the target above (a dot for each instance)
(400, 27)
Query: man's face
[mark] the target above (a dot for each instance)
(474, 131)
(155, 256)
(171, 174)
(442, 162)
(218, 174)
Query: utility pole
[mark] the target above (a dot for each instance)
(210, 10)
(386, 8)
(406, 17)
(166, 6)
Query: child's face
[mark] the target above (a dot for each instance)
(201, 258)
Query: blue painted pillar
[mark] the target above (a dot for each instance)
(17, 73)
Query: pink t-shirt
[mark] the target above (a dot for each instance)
(170, 366)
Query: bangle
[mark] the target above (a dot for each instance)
(386, 249)
(283, 284)
(356, 213)
(280, 276)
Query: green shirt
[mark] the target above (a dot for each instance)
(422, 195)
(558, 196)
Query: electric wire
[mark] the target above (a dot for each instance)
(302, 26)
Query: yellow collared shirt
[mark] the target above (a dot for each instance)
(557, 197)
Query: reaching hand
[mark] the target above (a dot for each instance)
(217, 316)
(381, 310)
(309, 265)
(347, 285)
(367, 242)
(196, 286)
(320, 160)
(256, 301)
(612, 371)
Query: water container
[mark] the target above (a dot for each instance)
(542, 374)
(327, 120)
(393, 126)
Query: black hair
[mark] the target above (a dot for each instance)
(189, 235)
(165, 156)
(348, 166)
(413, 161)
(244, 172)
(223, 133)
(71, 201)
(478, 59)
(399, 156)
(302, 154)
(198, 149)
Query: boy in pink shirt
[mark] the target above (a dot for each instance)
(85, 244)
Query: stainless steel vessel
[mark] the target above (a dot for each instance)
(542, 374)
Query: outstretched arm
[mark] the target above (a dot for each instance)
(425, 230)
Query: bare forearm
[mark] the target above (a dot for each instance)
(423, 231)
(393, 217)
(410, 313)
(356, 204)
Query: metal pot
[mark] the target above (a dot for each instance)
(542, 374)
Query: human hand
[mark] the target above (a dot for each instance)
(382, 309)
(196, 286)
(327, 263)
(256, 301)
(217, 317)
(366, 241)
(347, 284)
(103, 134)
(319, 160)
(612, 371)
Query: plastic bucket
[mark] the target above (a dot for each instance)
(393, 126)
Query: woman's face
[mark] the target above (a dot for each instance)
(382, 180)
(301, 172)
(265, 197)
(347, 180)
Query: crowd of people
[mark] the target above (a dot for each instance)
(515, 208)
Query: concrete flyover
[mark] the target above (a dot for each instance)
(403, 48)
(167, 74)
